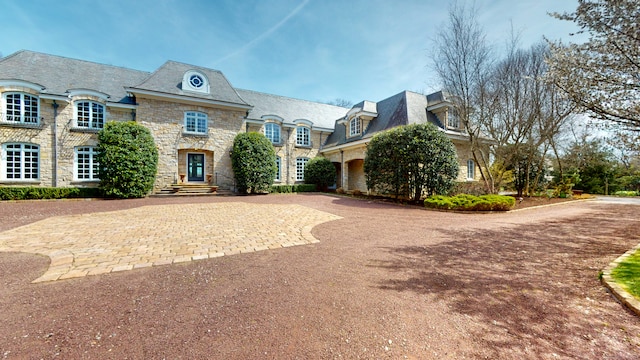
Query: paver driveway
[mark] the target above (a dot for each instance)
(98, 243)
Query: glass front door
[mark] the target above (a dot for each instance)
(195, 164)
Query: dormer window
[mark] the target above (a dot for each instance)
(272, 132)
(453, 120)
(303, 137)
(89, 115)
(195, 81)
(355, 126)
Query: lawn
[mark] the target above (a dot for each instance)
(627, 274)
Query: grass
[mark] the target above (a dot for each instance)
(627, 274)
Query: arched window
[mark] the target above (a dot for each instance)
(303, 137)
(20, 161)
(272, 132)
(89, 115)
(21, 108)
(471, 169)
(195, 122)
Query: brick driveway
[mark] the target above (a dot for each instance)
(99, 243)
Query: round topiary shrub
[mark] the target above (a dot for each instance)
(254, 163)
(128, 160)
(321, 172)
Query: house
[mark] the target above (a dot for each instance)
(52, 108)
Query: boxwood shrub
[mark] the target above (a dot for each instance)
(286, 189)
(33, 193)
(466, 202)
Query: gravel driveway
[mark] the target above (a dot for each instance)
(383, 282)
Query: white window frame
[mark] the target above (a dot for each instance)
(196, 122)
(90, 172)
(453, 120)
(355, 126)
(303, 136)
(24, 107)
(301, 163)
(270, 133)
(471, 169)
(278, 165)
(24, 161)
(94, 114)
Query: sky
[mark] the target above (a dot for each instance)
(318, 50)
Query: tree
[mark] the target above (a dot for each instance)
(411, 161)
(321, 172)
(463, 60)
(254, 162)
(128, 160)
(602, 75)
(341, 102)
(594, 163)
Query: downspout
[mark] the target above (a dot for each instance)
(287, 153)
(55, 143)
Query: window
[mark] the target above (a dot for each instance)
(355, 126)
(302, 136)
(21, 108)
(195, 81)
(272, 132)
(86, 164)
(90, 115)
(278, 171)
(471, 169)
(20, 161)
(300, 164)
(453, 120)
(195, 122)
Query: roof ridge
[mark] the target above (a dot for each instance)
(290, 98)
(74, 59)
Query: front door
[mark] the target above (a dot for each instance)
(195, 164)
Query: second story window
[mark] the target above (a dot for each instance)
(355, 126)
(453, 120)
(195, 122)
(21, 108)
(272, 132)
(90, 115)
(303, 137)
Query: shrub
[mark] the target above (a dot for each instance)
(128, 160)
(470, 187)
(32, 193)
(254, 162)
(285, 189)
(412, 160)
(626, 193)
(320, 171)
(466, 202)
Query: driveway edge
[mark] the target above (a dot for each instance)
(618, 291)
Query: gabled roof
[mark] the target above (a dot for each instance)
(59, 74)
(167, 79)
(289, 109)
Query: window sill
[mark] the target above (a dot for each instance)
(19, 182)
(195, 134)
(22, 125)
(84, 130)
(304, 146)
(85, 182)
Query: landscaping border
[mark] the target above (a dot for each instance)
(620, 293)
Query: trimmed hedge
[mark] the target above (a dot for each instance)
(287, 189)
(33, 193)
(466, 202)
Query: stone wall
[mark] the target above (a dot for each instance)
(166, 119)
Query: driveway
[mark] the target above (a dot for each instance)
(375, 281)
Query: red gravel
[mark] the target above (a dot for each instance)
(386, 281)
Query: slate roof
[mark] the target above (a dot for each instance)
(59, 74)
(401, 109)
(167, 79)
(321, 115)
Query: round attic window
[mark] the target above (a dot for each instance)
(196, 81)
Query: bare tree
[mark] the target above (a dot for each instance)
(340, 102)
(462, 61)
(602, 75)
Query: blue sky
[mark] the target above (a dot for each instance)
(310, 49)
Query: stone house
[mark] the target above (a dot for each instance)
(52, 107)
